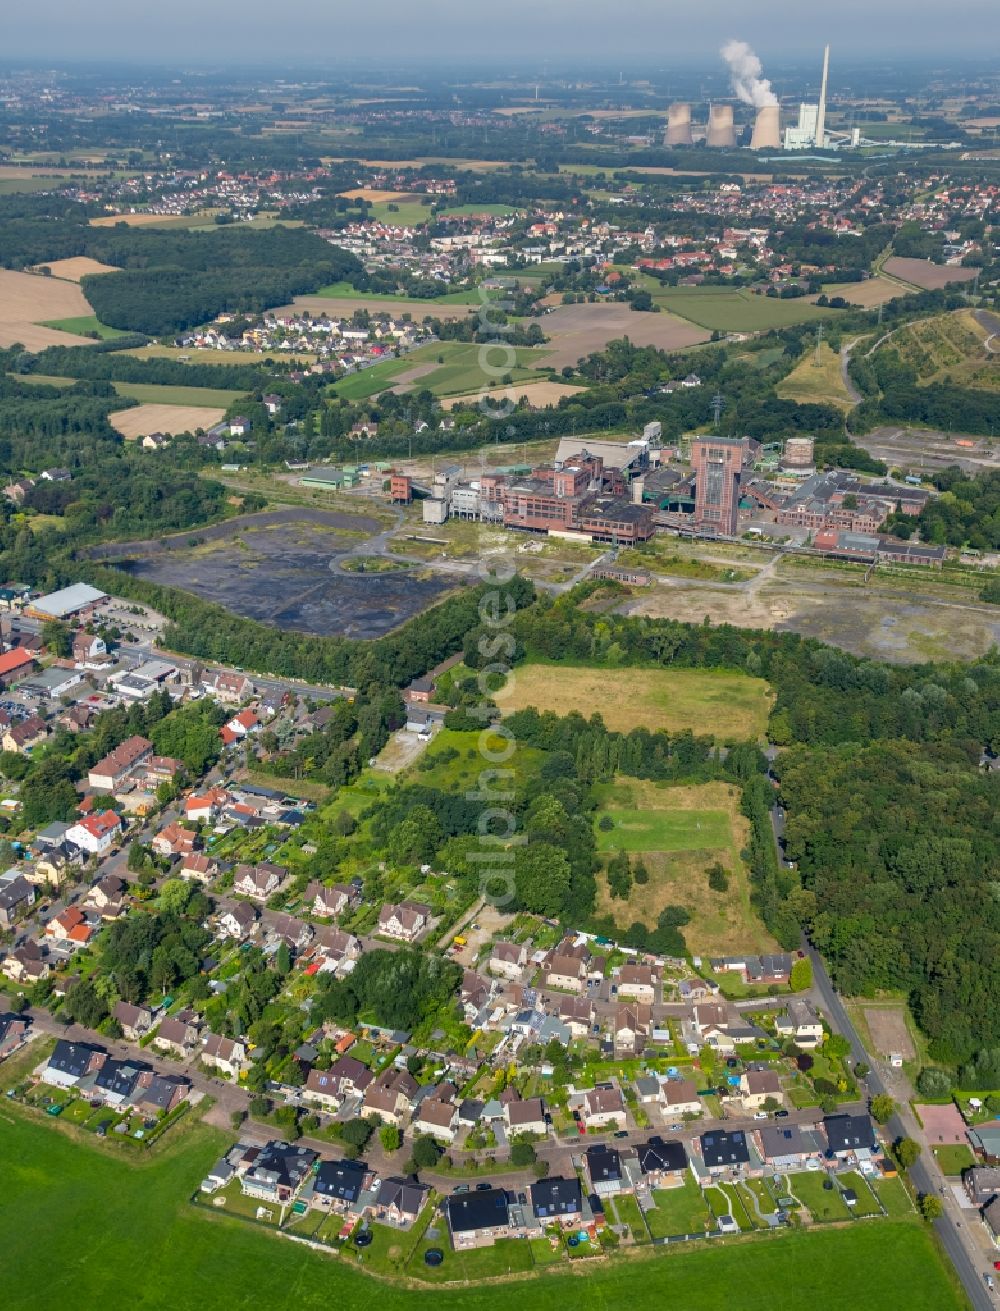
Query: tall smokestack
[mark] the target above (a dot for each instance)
(721, 132)
(679, 126)
(767, 129)
(821, 117)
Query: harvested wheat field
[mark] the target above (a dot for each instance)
(149, 220)
(869, 295)
(80, 266)
(374, 195)
(342, 307)
(922, 273)
(537, 395)
(144, 419)
(578, 330)
(27, 300)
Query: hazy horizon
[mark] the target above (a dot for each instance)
(523, 32)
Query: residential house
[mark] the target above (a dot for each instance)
(70, 926)
(196, 866)
(229, 1055)
(27, 964)
(278, 1173)
(108, 896)
(437, 1116)
(279, 928)
(135, 1021)
(786, 1147)
(557, 1200)
(577, 1013)
(337, 1185)
(89, 650)
(14, 665)
(637, 983)
(174, 840)
(568, 973)
(24, 736)
(17, 896)
(474, 993)
(990, 1216)
(850, 1135)
(331, 1088)
(772, 969)
(801, 1023)
(110, 772)
(231, 688)
(723, 1152)
(663, 1164)
(259, 881)
(680, 1097)
(758, 1087)
(399, 1201)
(405, 921)
(390, 1096)
(982, 1184)
(14, 1031)
(176, 1034)
(478, 1219)
(508, 960)
(525, 1117)
(335, 949)
(72, 1061)
(200, 807)
(159, 1094)
(115, 1081)
(604, 1107)
(237, 921)
(96, 833)
(604, 1170)
(632, 1026)
(330, 902)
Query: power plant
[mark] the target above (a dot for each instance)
(679, 126)
(721, 131)
(767, 129)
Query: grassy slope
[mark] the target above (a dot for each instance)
(816, 383)
(82, 1229)
(732, 310)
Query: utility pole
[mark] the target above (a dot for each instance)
(718, 405)
(819, 343)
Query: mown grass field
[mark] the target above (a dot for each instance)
(678, 833)
(338, 290)
(84, 324)
(736, 310)
(723, 704)
(156, 394)
(82, 1228)
(816, 381)
(453, 369)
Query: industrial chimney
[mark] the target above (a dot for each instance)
(721, 132)
(678, 126)
(767, 129)
(821, 117)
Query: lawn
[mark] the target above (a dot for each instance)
(729, 309)
(816, 381)
(369, 382)
(341, 290)
(953, 1158)
(679, 833)
(629, 1213)
(822, 1203)
(84, 324)
(894, 1197)
(866, 1204)
(723, 704)
(121, 1236)
(677, 1210)
(156, 394)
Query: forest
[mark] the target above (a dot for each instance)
(966, 512)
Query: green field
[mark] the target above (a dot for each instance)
(730, 309)
(369, 382)
(82, 1228)
(342, 290)
(84, 324)
(155, 394)
(460, 211)
(9, 186)
(723, 704)
(459, 370)
(665, 830)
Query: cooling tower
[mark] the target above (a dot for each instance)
(767, 129)
(721, 132)
(678, 126)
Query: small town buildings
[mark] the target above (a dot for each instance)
(110, 772)
(786, 1147)
(437, 1117)
(557, 1200)
(108, 896)
(278, 1173)
(632, 1026)
(27, 964)
(231, 688)
(405, 921)
(662, 1164)
(22, 737)
(258, 881)
(95, 833)
(566, 973)
(604, 1107)
(135, 1021)
(228, 1055)
(174, 840)
(577, 1013)
(801, 1023)
(72, 1061)
(196, 866)
(330, 902)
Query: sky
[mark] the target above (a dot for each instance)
(483, 33)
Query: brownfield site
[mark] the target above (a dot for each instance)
(142, 420)
(888, 1028)
(922, 273)
(27, 300)
(578, 330)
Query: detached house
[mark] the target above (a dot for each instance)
(135, 1021)
(436, 1116)
(259, 881)
(663, 1164)
(17, 896)
(97, 833)
(345, 1078)
(405, 921)
(398, 1201)
(603, 1108)
(13, 1033)
(390, 1096)
(278, 1172)
(197, 866)
(637, 983)
(527, 1117)
(72, 1061)
(557, 1200)
(680, 1097)
(337, 1185)
(801, 1023)
(508, 960)
(237, 921)
(232, 688)
(176, 1034)
(604, 1170)
(568, 973)
(329, 902)
(633, 1024)
(757, 1087)
(229, 1055)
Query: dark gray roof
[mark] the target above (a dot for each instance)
(844, 1133)
(477, 1210)
(341, 1179)
(603, 1164)
(659, 1155)
(721, 1148)
(72, 1058)
(118, 1077)
(557, 1196)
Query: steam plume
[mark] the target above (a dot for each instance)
(745, 70)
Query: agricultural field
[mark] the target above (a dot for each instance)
(79, 266)
(922, 273)
(122, 1236)
(868, 295)
(678, 832)
(143, 219)
(468, 296)
(723, 309)
(142, 420)
(535, 394)
(445, 368)
(28, 301)
(817, 381)
(155, 351)
(725, 705)
(84, 325)
(344, 305)
(951, 346)
(153, 393)
(575, 331)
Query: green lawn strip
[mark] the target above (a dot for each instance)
(740, 1208)
(953, 1158)
(664, 830)
(123, 1235)
(629, 1213)
(866, 1203)
(678, 1210)
(894, 1197)
(85, 323)
(822, 1203)
(718, 1202)
(154, 394)
(368, 382)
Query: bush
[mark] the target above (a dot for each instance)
(932, 1082)
(522, 1154)
(605, 823)
(718, 879)
(426, 1154)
